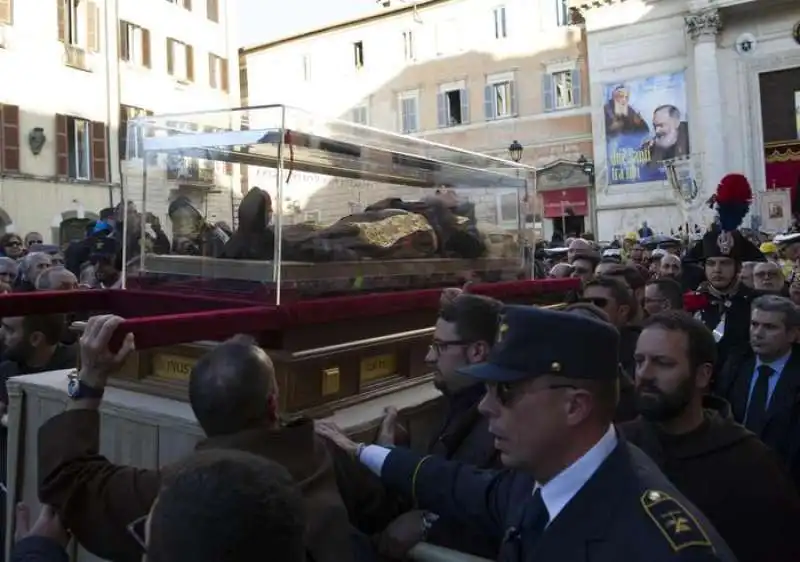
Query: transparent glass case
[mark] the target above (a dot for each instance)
(276, 204)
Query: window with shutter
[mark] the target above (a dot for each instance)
(171, 57)
(212, 10)
(98, 151)
(548, 92)
(6, 12)
(563, 86)
(62, 20)
(225, 80)
(93, 27)
(9, 115)
(146, 57)
(452, 107)
(62, 146)
(189, 63)
(212, 71)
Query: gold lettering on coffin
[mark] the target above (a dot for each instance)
(172, 367)
(377, 367)
(387, 232)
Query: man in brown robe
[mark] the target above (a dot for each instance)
(233, 393)
(731, 476)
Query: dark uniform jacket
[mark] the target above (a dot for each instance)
(733, 478)
(465, 437)
(626, 512)
(735, 310)
(38, 549)
(97, 499)
(781, 431)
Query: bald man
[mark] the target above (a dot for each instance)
(670, 267)
(768, 278)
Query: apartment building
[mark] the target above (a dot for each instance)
(75, 72)
(476, 74)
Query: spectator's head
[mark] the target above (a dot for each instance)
(9, 269)
(33, 238)
(30, 340)
(12, 245)
(662, 294)
(56, 279)
(584, 264)
(33, 264)
(774, 326)
(613, 297)
(226, 506)
(464, 333)
(675, 356)
(768, 278)
(670, 267)
(233, 388)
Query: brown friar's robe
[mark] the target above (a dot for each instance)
(98, 499)
(733, 478)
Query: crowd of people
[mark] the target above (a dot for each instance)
(656, 417)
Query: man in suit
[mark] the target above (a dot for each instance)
(729, 474)
(763, 383)
(575, 490)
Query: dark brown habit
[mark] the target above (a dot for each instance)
(98, 500)
(733, 478)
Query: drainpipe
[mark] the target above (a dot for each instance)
(111, 55)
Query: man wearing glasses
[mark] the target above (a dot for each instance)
(576, 490)
(464, 334)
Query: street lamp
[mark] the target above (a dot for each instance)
(588, 168)
(515, 151)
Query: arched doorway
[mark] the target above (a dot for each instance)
(72, 226)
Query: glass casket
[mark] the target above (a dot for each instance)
(338, 237)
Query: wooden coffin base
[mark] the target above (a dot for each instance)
(313, 382)
(320, 368)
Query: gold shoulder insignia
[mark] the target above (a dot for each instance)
(679, 527)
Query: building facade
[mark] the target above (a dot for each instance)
(475, 74)
(708, 86)
(76, 71)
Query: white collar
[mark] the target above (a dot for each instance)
(558, 492)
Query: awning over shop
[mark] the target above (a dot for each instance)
(560, 202)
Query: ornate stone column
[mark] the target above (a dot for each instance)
(708, 142)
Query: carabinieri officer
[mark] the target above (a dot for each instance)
(574, 490)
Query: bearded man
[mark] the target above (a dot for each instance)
(726, 471)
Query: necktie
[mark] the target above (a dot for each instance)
(757, 410)
(535, 519)
(526, 534)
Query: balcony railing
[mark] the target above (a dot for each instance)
(75, 57)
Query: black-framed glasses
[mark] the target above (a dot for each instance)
(507, 392)
(439, 346)
(32, 242)
(13, 244)
(599, 302)
(136, 529)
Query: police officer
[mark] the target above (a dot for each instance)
(575, 490)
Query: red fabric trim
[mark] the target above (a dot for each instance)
(160, 318)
